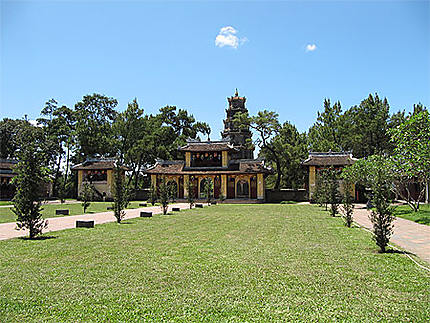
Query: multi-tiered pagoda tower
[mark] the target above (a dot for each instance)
(239, 137)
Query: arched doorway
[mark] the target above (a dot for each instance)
(242, 189)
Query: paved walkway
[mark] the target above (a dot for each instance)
(409, 235)
(7, 230)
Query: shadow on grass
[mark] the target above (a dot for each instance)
(394, 251)
(38, 238)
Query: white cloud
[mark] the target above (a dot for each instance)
(227, 37)
(311, 47)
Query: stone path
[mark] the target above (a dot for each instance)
(7, 230)
(409, 235)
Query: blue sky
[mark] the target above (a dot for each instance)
(285, 56)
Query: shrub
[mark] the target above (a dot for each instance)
(191, 192)
(87, 195)
(120, 193)
(348, 206)
(153, 195)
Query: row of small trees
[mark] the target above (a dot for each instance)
(374, 173)
(27, 203)
(385, 175)
(166, 192)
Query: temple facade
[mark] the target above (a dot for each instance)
(228, 163)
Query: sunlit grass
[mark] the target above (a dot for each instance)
(7, 215)
(221, 263)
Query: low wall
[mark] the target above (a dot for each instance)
(276, 196)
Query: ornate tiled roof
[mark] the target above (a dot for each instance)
(97, 164)
(329, 159)
(176, 167)
(204, 146)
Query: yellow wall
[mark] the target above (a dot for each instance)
(187, 159)
(224, 185)
(224, 158)
(99, 186)
(186, 180)
(260, 186)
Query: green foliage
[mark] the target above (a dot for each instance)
(94, 133)
(377, 173)
(153, 196)
(191, 191)
(361, 129)
(208, 189)
(332, 190)
(266, 125)
(30, 175)
(120, 193)
(412, 154)
(164, 195)
(348, 203)
(325, 134)
(291, 147)
(321, 195)
(11, 135)
(87, 195)
(365, 127)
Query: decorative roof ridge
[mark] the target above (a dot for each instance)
(330, 153)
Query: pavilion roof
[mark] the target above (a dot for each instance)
(93, 164)
(329, 159)
(207, 146)
(176, 167)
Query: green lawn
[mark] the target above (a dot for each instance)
(422, 216)
(6, 214)
(5, 203)
(220, 263)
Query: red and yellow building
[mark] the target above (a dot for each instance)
(228, 163)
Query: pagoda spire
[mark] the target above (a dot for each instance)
(236, 93)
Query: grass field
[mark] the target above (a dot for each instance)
(6, 214)
(422, 216)
(220, 263)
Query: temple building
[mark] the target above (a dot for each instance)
(98, 173)
(228, 163)
(318, 161)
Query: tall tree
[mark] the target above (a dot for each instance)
(30, 175)
(412, 155)
(58, 126)
(95, 114)
(267, 126)
(11, 132)
(292, 150)
(120, 192)
(326, 133)
(365, 127)
(377, 173)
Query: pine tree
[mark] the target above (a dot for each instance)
(121, 194)
(30, 175)
(191, 192)
(87, 195)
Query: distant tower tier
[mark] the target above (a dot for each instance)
(237, 135)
